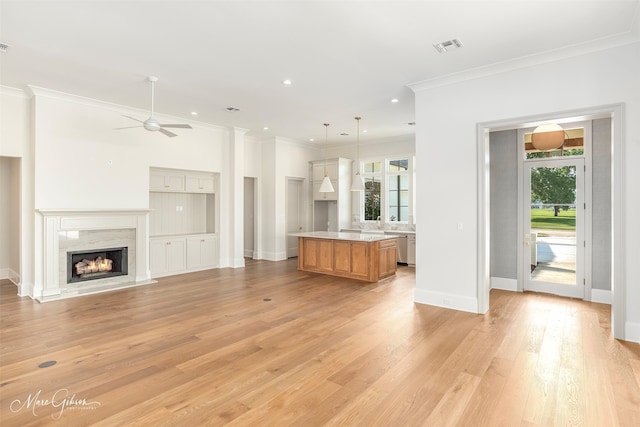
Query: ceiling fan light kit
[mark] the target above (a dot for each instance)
(151, 124)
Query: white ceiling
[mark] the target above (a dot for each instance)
(345, 58)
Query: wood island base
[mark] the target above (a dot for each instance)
(368, 258)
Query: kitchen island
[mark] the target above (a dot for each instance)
(368, 257)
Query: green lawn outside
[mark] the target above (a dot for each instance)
(544, 219)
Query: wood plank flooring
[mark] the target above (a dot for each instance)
(270, 345)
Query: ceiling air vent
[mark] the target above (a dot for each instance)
(449, 44)
(3, 47)
(232, 109)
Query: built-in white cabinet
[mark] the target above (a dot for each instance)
(162, 180)
(201, 252)
(167, 256)
(331, 211)
(199, 183)
(182, 221)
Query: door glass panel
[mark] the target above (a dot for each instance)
(553, 224)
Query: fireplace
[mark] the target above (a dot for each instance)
(96, 264)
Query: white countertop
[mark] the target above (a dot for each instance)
(375, 231)
(344, 236)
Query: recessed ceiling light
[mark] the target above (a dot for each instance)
(311, 139)
(365, 131)
(394, 100)
(287, 82)
(194, 113)
(265, 128)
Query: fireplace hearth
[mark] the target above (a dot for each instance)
(96, 264)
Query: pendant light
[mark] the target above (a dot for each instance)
(548, 137)
(357, 184)
(326, 186)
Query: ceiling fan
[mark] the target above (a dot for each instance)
(151, 124)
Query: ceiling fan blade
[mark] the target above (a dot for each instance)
(133, 118)
(128, 127)
(166, 132)
(176, 126)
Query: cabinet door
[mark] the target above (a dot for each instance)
(342, 256)
(161, 181)
(332, 170)
(199, 184)
(360, 259)
(387, 258)
(157, 256)
(156, 181)
(176, 255)
(201, 252)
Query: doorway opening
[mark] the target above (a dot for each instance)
(250, 217)
(294, 214)
(613, 241)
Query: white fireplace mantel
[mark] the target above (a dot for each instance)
(56, 221)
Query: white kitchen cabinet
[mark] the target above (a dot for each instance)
(160, 180)
(199, 183)
(167, 256)
(201, 252)
(331, 211)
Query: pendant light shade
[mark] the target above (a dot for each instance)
(357, 184)
(326, 186)
(548, 137)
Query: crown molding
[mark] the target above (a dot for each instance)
(612, 42)
(36, 91)
(13, 91)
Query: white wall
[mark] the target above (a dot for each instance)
(446, 146)
(82, 162)
(404, 144)
(15, 141)
(281, 158)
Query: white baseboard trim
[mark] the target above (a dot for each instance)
(504, 284)
(248, 253)
(274, 256)
(632, 331)
(441, 299)
(7, 273)
(601, 296)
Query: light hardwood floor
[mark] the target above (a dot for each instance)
(269, 345)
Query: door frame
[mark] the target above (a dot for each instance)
(618, 228)
(301, 205)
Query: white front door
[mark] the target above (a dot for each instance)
(554, 211)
